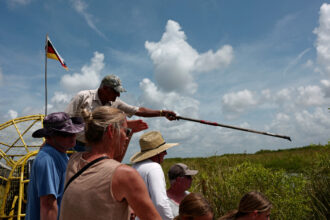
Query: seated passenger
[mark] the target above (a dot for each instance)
(46, 184)
(106, 189)
(147, 163)
(194, 207)
(180, 177)
(253, 205)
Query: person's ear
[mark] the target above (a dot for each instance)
(110, 131)
(255, 213)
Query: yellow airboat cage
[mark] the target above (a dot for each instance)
(17, 151)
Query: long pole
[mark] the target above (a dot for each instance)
(46, 49)
(233, 127)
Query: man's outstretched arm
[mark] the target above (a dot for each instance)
(147, 112)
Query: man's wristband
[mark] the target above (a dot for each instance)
(161, 113)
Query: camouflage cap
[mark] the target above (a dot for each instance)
(113, 82)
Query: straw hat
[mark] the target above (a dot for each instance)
(151, 144)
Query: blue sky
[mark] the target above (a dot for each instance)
(256, 64)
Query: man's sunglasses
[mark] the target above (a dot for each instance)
(63, 134)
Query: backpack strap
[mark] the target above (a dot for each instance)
(82, 170)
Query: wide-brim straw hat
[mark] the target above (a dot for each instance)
(151, 144)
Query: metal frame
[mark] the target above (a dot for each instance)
(17, 163)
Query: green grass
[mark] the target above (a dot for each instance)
(295, 180)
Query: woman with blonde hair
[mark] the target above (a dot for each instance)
(106, 188)
(253, 206)
(194, 207)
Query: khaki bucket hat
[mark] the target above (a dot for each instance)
(151, 144)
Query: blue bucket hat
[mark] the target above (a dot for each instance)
(59, 122)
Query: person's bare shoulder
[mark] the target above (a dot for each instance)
(122, 181)
(126, 173)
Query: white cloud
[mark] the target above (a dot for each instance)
(184, 132)
(209, 61)
(60, 97)
(284, 95)
(266, 94)
(175, 60)
(323, 38)
(155, 98)
(282, 117)
(12, 114)
(59, 101)
(286, 100)
(89, 78)
(303, 126)
(310, 96)
(81, 7)
(239, 102)
(308, 64)
(325, 85)
(313, 123)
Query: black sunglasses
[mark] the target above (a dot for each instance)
(63, 134)
(128, 131)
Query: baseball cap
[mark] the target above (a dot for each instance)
(114, 82)
(180, 169)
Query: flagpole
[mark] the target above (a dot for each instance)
(46, 49)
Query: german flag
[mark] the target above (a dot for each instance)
(53, 54)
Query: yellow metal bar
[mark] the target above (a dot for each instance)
(3, 178)
(12, 211)
(20, 162)
(22, 119)
(16, 161)
(5, 195)
(15, 178)
(20, 136)
(9, 161)
(16, 155)
(26, 130)
(21, 192)
(7, 145)
(20, 146)
(21, 183)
